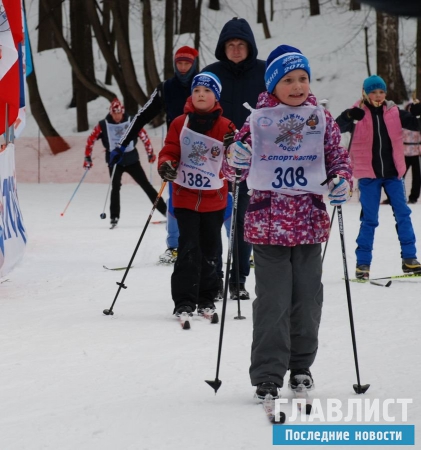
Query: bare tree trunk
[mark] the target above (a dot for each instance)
(314, 8)
(418, 74)
(367, 56)
(169, 37)
(354, 5)
(149, 64)
(103, 39)
(214, 4)
(261, 17)
(126, 61)
(198, 14)
(46, 38)
(176, 20)
(80, 31)
(388, 65)
(110, 34)
(188, 16)
(73, 61)
(55, 141)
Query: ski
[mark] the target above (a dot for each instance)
(405, 276)
(301, 392)
(113, 226)
(211, 315)
(116, 268)
(269, 407)
(373, 282)
(184, 319)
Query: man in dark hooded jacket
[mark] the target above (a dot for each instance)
(242, 79)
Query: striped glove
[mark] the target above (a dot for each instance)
(339, 191)
(239, 155)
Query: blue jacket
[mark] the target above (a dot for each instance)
(242, 82)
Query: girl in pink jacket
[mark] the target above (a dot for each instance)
(378, 160)
(288, 146)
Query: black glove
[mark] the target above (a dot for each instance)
(168, 170)
(116, 155)
(228, 139)
(415, 109)
(87, 163)
(355, 113)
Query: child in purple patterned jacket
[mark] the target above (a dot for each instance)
(287, 147)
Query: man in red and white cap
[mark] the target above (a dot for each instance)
(169, 96)
(110, 131)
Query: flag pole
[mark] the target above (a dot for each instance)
(6, 129)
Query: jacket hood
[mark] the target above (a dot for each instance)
(189, 108)
(236, 29)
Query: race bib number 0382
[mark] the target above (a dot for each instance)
(196, 180)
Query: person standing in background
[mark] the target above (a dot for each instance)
(242, 77)
(412, 151)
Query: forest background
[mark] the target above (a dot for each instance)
(124, 48)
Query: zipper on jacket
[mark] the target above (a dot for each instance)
(380, 146)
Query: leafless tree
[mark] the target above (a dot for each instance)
(46, 38)
(188, 16)
(214, 4)
(388, 65)
(314, 8)
(261, 17)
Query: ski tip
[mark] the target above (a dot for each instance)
(388, 283)
(186, 325)
(308, 409)
(215, 318)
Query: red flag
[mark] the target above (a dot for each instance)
(9, 84)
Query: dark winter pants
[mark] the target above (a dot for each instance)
(136, 172)
(287, 310)
(194, 280)
(415, 163)
(370, 191)
(244, 248)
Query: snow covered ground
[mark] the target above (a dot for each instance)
(73, 378)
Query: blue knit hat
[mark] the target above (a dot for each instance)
(282, 60)
(374, 82)
(209, 80)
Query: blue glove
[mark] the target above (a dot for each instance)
(239, 155)
(116, 156)
(339, 191)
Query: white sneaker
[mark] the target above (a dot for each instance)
(169, 256)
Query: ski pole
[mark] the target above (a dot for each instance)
(109, 312)
(330, 229)
(103, 215)
(358, 388)
(216, 384)
(237, 273)
(77, 187)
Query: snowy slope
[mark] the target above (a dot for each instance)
(72, 377)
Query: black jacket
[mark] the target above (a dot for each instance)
(169, 96)
(242, 82)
